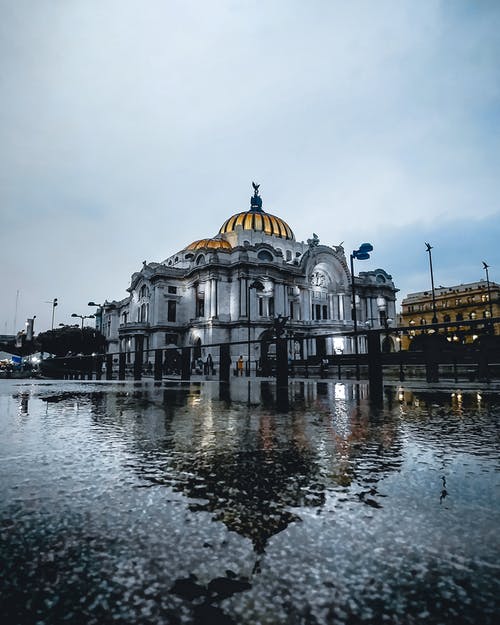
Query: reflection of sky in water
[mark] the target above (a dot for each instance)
(147, 504)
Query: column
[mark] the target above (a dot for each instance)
(208, 299)
(213, 298)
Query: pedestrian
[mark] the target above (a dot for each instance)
(239, 365)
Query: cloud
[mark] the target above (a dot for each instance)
(130, 129)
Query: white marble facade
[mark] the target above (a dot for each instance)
(231, 287)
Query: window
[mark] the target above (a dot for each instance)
(172, 289)
(446, 318)
(290, 310)
(266, 256)
(261, 306)
(200, 260)
(200, 306)
(288, 255)
(124, 317)
(172, 309)
(318, 311)
(144, 292)
(325, 312)
(143, 313)
(459, 317)
(472, 315)
(271, 306)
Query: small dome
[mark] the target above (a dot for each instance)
(259, 221)
(210, 244)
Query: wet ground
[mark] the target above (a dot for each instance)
(135, 503)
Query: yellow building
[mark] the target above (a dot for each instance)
(465, 302)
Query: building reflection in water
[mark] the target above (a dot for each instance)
(252, 466)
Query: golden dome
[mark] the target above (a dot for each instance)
(259, 221)
(210, 244)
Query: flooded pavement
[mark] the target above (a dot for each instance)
(188, 503)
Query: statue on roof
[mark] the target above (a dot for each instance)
(314, 242)
(255, 200)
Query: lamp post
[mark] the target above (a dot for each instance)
(490, 306)
(98, 314)
(434, 315)
(54, 304)
(82, 317)
(363, 253)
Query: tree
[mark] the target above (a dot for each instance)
(71, 339)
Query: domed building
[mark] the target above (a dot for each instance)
(231, 288)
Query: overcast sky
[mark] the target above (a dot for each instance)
(129, 129)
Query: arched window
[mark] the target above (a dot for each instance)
(459, 317)
(446, 318)
(144, 292)
(288, 255)
(144, 313)
(266, 256)
(200, 260)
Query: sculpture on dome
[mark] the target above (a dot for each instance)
(256, 200)
(314, 242)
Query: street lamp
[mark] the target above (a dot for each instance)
(54, 304)
(82, 317)
(434, 315)
(490, 306)
(98, 314)
(363, 253)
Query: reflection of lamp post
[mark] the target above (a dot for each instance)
(361, 254)
(488, 287)
(434, 316)
(258, 286)
(82, 317)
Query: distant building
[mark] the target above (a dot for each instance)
(232, 286)
(453, 304)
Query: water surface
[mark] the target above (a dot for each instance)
(189, 503)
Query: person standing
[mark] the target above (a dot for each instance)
(239, 365)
